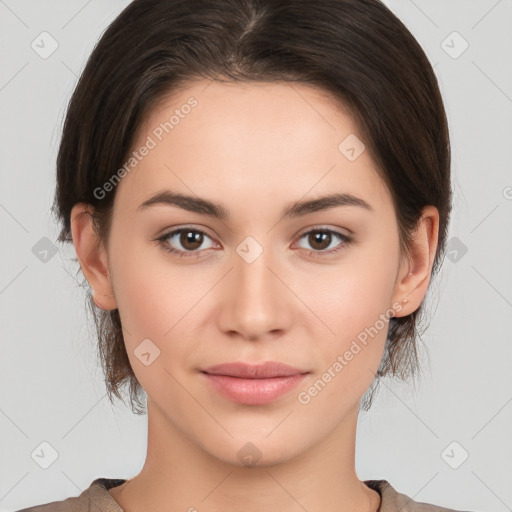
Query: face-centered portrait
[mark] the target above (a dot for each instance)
(308, 284)
(280, 280)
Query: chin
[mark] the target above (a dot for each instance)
(258, 450)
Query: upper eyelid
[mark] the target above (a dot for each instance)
(323, 228)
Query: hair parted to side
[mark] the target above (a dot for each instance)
(357, 50)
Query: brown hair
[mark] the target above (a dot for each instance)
(358, 50)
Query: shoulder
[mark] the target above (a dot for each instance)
(96, 494)
(392, 500)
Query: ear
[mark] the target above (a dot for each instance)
(415, 269)
(92, 256)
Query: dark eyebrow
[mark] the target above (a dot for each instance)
(324, 203)
(297, 209)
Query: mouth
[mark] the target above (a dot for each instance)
(254, 384)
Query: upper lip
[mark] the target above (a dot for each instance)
(253, 371)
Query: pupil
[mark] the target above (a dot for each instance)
(191, 238)
(321, 236)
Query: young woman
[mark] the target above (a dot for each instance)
(258, 193)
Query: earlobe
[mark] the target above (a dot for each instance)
(415, 270)
(92, 256)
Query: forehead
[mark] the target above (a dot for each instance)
(251, 141)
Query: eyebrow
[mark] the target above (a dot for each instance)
(216, 210)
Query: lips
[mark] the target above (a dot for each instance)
(265, 370)
(253, 384)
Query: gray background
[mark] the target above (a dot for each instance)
(51, 383)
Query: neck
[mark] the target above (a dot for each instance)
(179, 475)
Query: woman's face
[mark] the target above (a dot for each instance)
(254, 285)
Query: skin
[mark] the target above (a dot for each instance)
(255, 148)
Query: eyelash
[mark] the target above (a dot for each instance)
(345, 240)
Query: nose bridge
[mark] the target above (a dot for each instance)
(256, 304)
(253, 262)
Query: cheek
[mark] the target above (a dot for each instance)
(352, 295)
(161, 301)
(355, 309)
(156, 303)
(353, 299)
(153, 292)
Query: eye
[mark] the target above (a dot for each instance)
(192, 239)
(189, 238)
(321, 239)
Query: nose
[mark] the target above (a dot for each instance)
(255, 301)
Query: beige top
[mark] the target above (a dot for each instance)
(97, 498)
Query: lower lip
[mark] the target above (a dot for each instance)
(254, 391)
